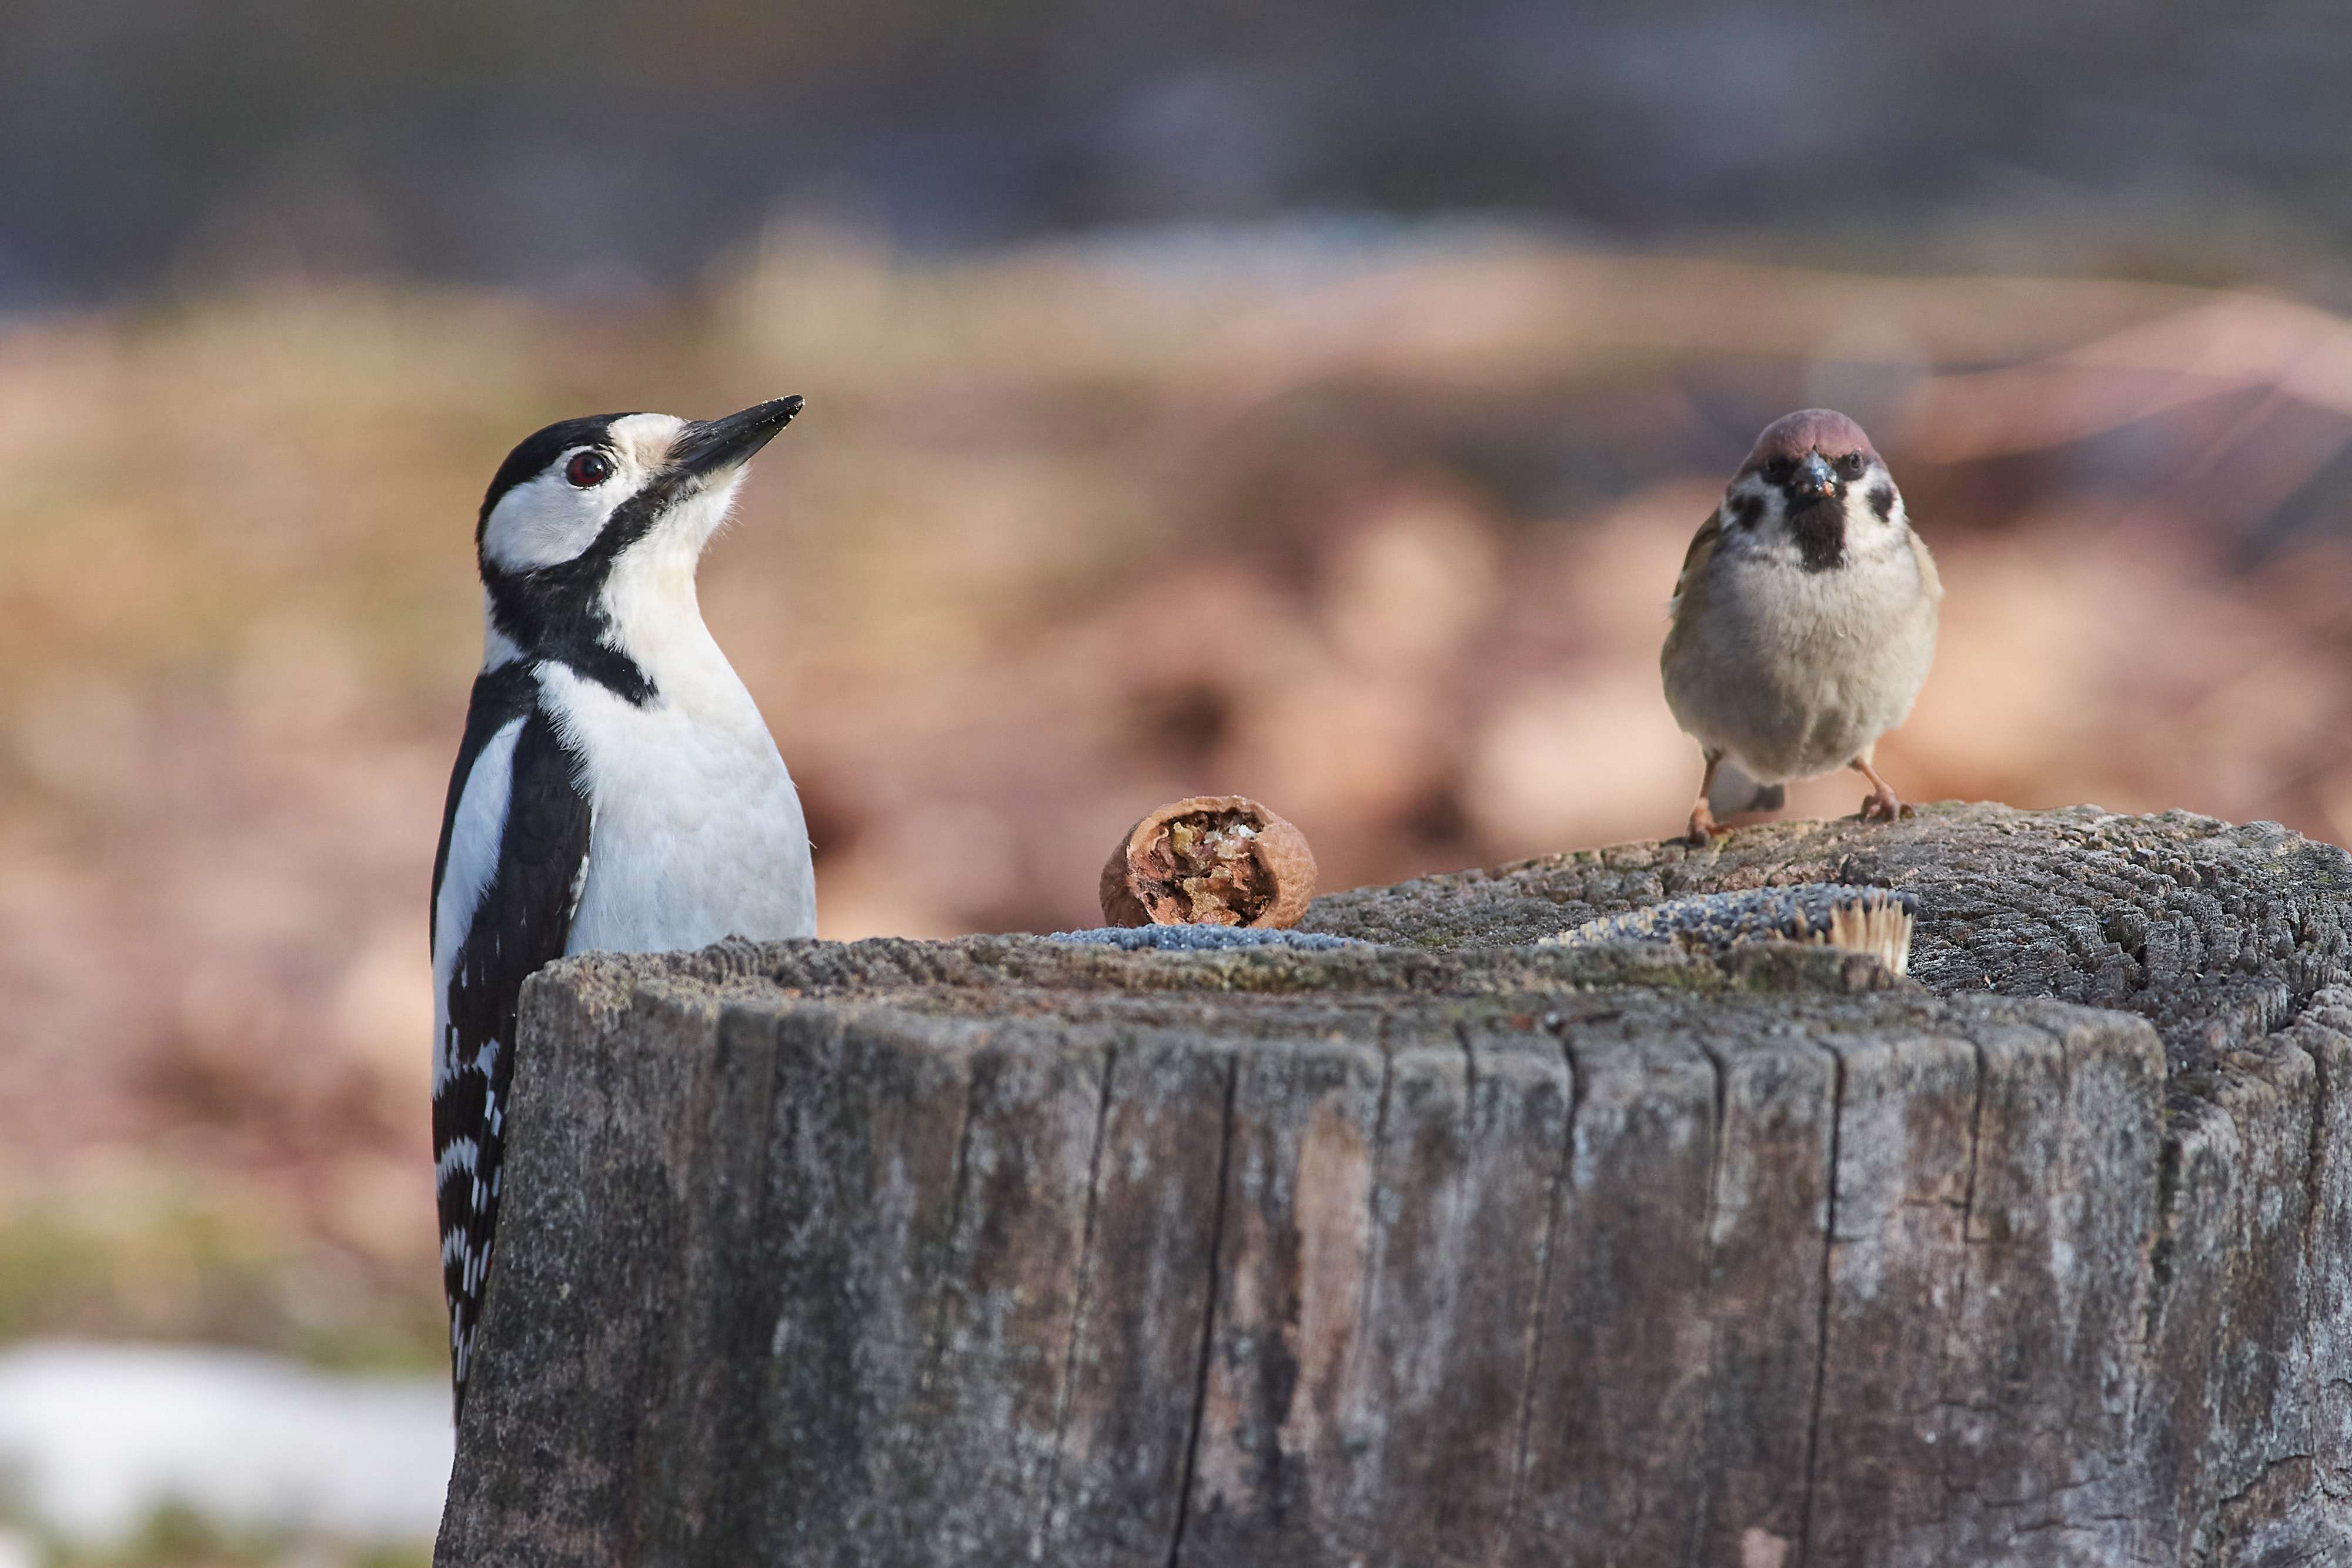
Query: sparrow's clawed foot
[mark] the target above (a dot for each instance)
(1880, 805)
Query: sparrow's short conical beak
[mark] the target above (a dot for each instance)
(714, 445)
(1815, 480)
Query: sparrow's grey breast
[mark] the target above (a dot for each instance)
(1794, 673)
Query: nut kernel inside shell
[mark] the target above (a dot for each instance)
(1210, 860)
(1203, 869)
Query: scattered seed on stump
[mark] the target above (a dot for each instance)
(1210, 860)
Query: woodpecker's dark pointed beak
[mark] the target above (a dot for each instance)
(1814, 480)
(715, 445)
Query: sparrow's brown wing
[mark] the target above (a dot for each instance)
(1695, 560)
(1931, 584)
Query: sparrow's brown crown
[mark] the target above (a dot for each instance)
(1822, 430)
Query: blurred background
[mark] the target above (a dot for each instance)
(1305, 400)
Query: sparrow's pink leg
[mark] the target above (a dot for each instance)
(1880, 805)
(1703, 827)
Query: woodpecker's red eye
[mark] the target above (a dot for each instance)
(588, 469)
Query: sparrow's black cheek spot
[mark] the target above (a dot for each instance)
(1881, 501)
(1747, 511)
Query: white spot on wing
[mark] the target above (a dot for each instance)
(459, 1157)
(474, 834)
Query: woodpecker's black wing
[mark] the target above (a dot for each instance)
(521, 921)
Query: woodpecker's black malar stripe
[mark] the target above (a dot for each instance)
(557, 612)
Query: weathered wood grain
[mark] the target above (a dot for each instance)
(1454, 1251)
(1767, 1219)
(1622, 1391)
(1124, 1445)
(1468, 1180)
(1293, 1253)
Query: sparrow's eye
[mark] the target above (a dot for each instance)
(1852, 464)
(588, 469)
(1780, 468)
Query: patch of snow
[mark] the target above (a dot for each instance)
(94, 1439)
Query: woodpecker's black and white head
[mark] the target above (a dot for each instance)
(1814, 493)
(590, 531)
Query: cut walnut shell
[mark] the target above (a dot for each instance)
(1210, 860)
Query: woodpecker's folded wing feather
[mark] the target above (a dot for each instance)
(522, 921)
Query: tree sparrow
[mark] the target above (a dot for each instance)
(1803, 623)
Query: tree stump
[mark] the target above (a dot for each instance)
(1452, 1249)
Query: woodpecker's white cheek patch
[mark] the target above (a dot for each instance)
(548, 520)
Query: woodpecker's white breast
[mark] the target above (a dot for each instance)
(697, 831)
